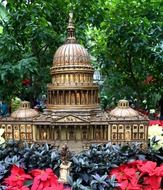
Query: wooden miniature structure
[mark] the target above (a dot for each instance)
(127, 125)
(73, 114)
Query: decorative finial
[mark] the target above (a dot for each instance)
(71, 30)
(70, 17)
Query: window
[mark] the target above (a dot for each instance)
(71, 135)
(120, 136)
(114, 136)
(135, 126)
(58, 134)
(135, 136)
(141, 135)
(127, 127)
(120, 127)
(114, 127)
(141, 127)
(84, 135)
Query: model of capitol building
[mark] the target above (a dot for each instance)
(73, 113)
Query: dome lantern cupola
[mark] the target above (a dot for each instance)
(70, 30)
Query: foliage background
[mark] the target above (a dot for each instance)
(124, 37)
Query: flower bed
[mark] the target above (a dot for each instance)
(102, 167)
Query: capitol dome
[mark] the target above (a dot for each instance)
(72, 84)
(72, 54)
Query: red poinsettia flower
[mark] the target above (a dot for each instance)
(18, 188)
(149, 79)
(148, 167)
(152, 182)
(43, 179)
(158, 171)
(59, 186)
(124, 184)
(139, 175)
(26, 82)
(17, 177)
(119, 173)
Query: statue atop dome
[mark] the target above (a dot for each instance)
(70, 17)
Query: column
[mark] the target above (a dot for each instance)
(96, 96)
(66, 132)
(75, 132)
(80, 101)
(73, 98)
(62, 78)
(64, 98)
(81, 132)
(77, 93)
(88, 138)
(57, 99)
(105, 132)
(94, 132)
(53, 133)
(40, 132)
(67, 79)
(82, 98)
(102, 132)
(34, 133)
(50, 97)
(87, 97)
(69, 97)
(54, 97)
(91, 96)
(108, 132)
(60, 133)
(50, 133)
(61, 97)
(71, 78)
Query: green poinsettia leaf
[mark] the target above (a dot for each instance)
(28, 183)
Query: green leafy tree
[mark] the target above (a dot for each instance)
(133, 62)
(31, 35)
(124, 38)
(29, 39)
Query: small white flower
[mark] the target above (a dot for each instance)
(152, 111)
(2, 140)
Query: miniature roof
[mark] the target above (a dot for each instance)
(124, 111)
(24, 111)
